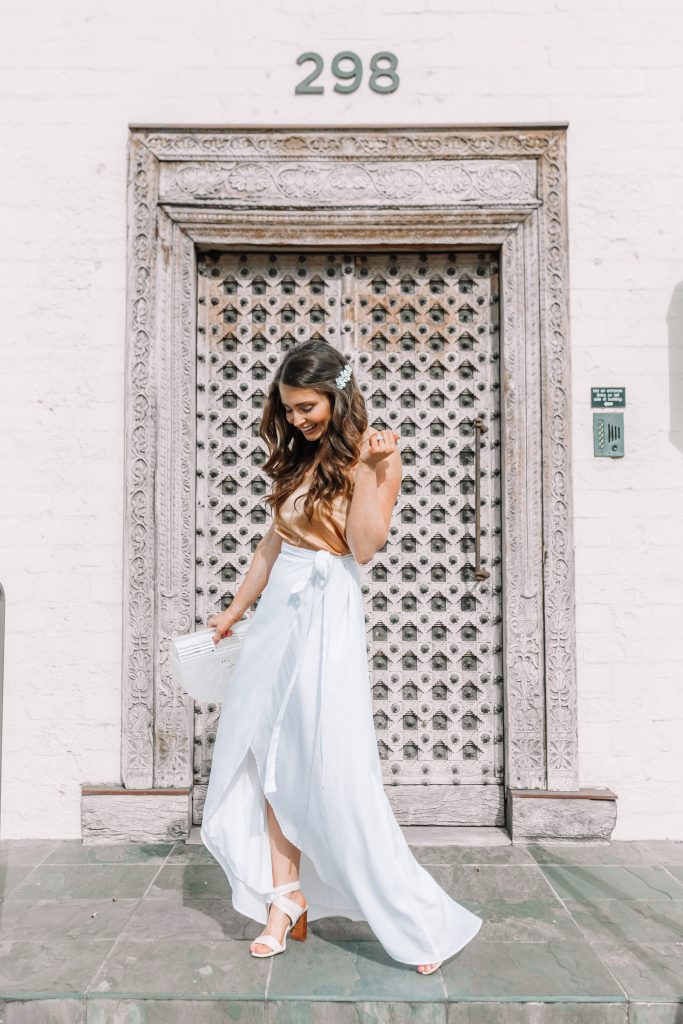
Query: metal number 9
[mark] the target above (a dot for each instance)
(356, 73)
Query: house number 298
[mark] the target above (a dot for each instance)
(383, 76)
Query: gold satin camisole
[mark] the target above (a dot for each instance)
(324, 532)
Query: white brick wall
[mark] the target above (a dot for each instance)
(73, 75)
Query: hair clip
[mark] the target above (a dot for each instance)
(342, 379)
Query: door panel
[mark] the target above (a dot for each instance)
(424, 330)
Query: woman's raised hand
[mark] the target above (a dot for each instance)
(377, 446)
(223, 623)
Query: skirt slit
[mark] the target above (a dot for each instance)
(297, 729)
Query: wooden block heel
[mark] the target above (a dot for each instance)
(300, 929)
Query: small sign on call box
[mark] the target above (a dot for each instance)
(608, 398)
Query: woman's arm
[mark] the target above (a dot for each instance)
(378, 481)
(253, 584)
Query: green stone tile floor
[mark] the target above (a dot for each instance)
(146, 934)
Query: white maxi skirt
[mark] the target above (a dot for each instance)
(296, 727)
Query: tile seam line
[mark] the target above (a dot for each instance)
(621, 988)
(87, 987)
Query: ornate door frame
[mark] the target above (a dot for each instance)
(502, 188)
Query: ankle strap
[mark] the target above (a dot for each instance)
(286, 887)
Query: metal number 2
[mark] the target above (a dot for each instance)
(305, 86)
(388, 59)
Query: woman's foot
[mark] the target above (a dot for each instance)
(428, 968)
(277, 923)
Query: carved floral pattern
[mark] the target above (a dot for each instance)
(333, 182)
(479, 174)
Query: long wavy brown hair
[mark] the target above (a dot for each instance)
(313, 364)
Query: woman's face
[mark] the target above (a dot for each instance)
(307, 410)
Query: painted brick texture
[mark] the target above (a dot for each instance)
(72, 76)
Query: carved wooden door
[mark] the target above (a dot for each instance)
(423, 328)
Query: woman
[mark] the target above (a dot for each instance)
(295, 802)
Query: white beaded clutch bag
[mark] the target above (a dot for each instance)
(204, 669)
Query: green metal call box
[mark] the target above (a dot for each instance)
(608, 434)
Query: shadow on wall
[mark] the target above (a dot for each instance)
(674, 319)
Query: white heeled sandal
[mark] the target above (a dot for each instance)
(291, 908)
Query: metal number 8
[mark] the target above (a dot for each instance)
(384, 72)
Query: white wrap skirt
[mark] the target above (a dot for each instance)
(296, 728)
